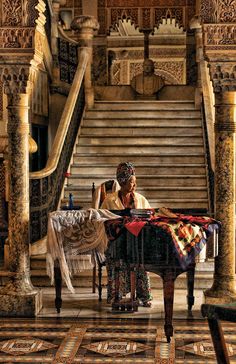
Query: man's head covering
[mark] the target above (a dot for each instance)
(124, 172)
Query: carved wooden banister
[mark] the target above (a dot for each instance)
(46, 185)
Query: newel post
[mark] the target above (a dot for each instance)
(85, 25)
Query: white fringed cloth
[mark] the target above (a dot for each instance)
(73, 237)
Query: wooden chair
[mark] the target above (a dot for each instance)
(98, 196)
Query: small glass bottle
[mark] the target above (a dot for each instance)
(71, 202)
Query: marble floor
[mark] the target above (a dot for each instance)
(84, 303)
(87, 331)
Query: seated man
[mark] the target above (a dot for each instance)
(147, 83)
(126, 197)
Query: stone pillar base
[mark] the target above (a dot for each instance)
(219, 297)
(15, 305)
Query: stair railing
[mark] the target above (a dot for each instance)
(46, 185)
(210, 172)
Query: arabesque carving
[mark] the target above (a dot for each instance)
(17, 37)
(12, 12)
(223, 76)
(171, 71)
(220, 35)
(14, 79)
(218, 11)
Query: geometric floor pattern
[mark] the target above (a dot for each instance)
(123, 341)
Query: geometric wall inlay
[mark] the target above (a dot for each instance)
(116, 348)
(205, 348)
(24, 346)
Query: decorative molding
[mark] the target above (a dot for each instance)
(170, 12)
(125, 28)
(169, 26)
(221, 35)
(218, 11)
(143, 13)
(12, 12)
(122, 71)
(121, 13)
(17, 37)
(14, 79)
(223, 76)
(31, 11)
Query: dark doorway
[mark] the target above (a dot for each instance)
(38, 159)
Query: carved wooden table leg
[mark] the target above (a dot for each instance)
(58, 285)
(168, 288)
(190, 285)
(99, 282)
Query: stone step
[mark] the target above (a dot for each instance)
(144, 140)
(151, 180)
(203, 275)
(103, 170)
(172, 121)
(140, 131)
(128, 150)
(149, 114)
(148, 192)
(110, 159)
(185, 203)
(144, 105)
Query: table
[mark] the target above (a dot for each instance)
(163, 245)
(154, 249)
(214, 314)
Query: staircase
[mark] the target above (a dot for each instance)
(164, 140)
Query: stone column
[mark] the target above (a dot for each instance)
(146, 33)
(224, 287)
(85, 25)
(18, 297)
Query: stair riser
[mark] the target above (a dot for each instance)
(159, 203)
(155, 105)
(163, 132)
(132, 123)
(86, 195)
(129, 150)
(142, 182)
(115, 160)
(157, 170)
(116, 140)
(154, 114)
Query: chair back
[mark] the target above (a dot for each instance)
(99, 194)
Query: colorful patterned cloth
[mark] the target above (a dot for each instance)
(188, 234)
(124, 172)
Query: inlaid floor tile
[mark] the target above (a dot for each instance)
(111, 340)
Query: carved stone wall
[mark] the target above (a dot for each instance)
(167, 48)
(18, 13)
(144, 13)
(99, 66)
(218, 11)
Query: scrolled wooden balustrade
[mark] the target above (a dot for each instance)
(46, 185)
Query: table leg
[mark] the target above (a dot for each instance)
(58, 285)
(168, 288)
(190, 286)
(218, 341)
(99, 282)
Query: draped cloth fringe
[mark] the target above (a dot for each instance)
(72, 240)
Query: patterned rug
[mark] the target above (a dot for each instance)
(91, 341)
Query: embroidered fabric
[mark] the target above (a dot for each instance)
(73, 236)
